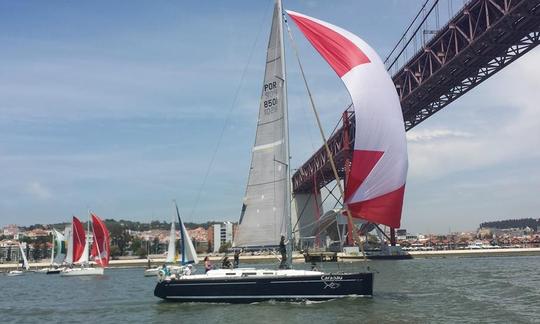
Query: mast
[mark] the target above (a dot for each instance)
(52, 249)
(287, 211)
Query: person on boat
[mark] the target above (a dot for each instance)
(207, 264)
(188, 270)
(166, 269)
(283, 252)
(226, 264)
(236, 258)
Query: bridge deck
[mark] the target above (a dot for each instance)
(483, 37)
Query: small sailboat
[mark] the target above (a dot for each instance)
(188, 255)
(100, 253)
(26, 266)
(374, 191)
(58, 254)
(171, 253)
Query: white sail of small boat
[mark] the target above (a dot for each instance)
(187, 251)
(59, 250)
(171, 250)
(58, 253)
(26, 266)
(68, 234)
(189, 255)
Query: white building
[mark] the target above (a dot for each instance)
(223, 233)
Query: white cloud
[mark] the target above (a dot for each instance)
(434, 134)
(497, 123)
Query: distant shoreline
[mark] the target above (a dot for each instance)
(299, 258)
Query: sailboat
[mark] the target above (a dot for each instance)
(171, 253)
(58, 254)
(377, 170)
(187, 251)
(26, 266)
(100, 252)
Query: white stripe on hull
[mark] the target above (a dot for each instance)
(266, 297)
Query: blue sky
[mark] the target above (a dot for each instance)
(118, 107)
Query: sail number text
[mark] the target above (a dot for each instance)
(270, 92)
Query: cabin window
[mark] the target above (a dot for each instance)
(249, 273)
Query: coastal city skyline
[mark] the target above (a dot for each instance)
(123, 113)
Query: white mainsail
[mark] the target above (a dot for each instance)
(69, 240)
(171, 251)
(189, 255)
(25, 260)
(59, 255)
(266, 210)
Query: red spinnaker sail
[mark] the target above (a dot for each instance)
(101, 249)
(79, 239)
(376, 184)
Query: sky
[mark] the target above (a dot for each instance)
(120, 107)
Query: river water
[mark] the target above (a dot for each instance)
(445, 290)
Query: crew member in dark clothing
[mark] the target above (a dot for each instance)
(236, 258)
(226, 264)
(283, 251)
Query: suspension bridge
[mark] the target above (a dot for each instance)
(480, 39)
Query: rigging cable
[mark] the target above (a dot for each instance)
(406, 31)
(414, 33)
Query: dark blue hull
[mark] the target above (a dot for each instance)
(248, 290)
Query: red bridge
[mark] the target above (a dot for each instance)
(481, 39)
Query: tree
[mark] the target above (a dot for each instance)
(115, 252)
(224, 247)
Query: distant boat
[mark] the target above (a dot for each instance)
(171, 253)
(100, 253)
(265, 218)
(26, 266)
(187, 251)
(58, 254)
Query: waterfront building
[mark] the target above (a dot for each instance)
(10, 230)
(222, 233)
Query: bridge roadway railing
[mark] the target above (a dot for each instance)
(480, 40)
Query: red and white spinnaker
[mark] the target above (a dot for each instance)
(101, 250)
(78, 240)
(376, 184)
